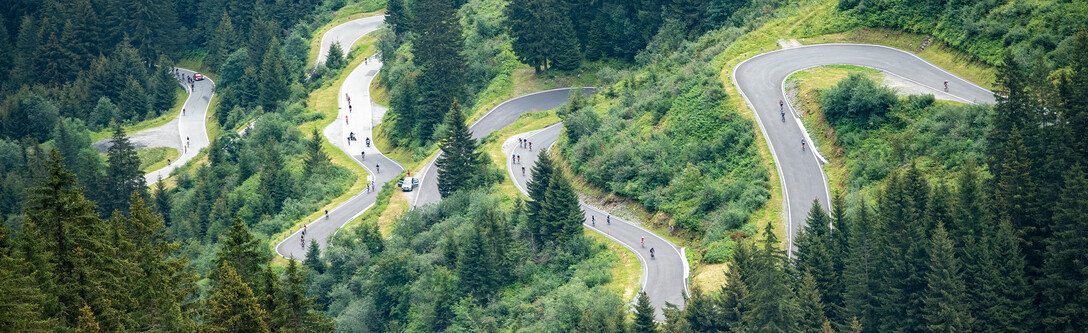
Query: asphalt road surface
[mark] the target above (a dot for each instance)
(360, 120)
(186, 133)
(760, 80)
(664, 276)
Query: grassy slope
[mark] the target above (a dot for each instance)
(324, 100)
(806, 84)
(815, 21)
(155, 158)
(162, 119)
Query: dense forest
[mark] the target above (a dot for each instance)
(952, 218)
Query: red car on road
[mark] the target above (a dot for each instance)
(198, 77)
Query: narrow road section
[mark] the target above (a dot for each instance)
(356, 118)
(761, 80)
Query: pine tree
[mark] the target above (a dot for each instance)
(163, 202)
(1002, 299)
(815, 255)
(813, 316)
(946, 307)
(272, 300)
(302, 315)
(233, 307)
(565, 54)
(27, 44)
(461, 163)
(87, 322)
(539, 180)
(133, 102)
(899, 253)
(644, 315)
(397, 17)
(734, 297)
(274, 79)
(1064, 294)
(475, 264)
(317, 161)
(1015, 199)
(529, 31)
(773, 304)
(313, 260)
(562, 214)
(437, 50)
(123, 175)
(859, 275)
(162, 286)
(335, 58)
(239, 249)
(66, 247)
(222, 43)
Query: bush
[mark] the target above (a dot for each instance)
(858, 100)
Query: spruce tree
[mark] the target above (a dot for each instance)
(334, 59)
(272, 300)
(133, 102)
(1002, 299)
(562, 214)
(899, 252)
(461, 163)
(123, 175)
(164, 91)
(66, 246)
(163, 202)
(529, 32)
(815, 254)
(233, 307)
(539, 180)
(437, 50)
(222, 42)
(702, 313)
(22, 299)
(565, 54)
(644, 315)
(302, 315)
(274, 78)
(239, 249)
(1015, 200)
(813, 315)
(859, 274)
(313, 260)
(773, 301)
(475, 264)
(317, 161)
(162, 285)
(1064, 293)
(734, 296)
(946, 307)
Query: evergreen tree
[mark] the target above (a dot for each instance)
(233, 307)
(302, 315)
(565, 54)
(163, 202)
(335, 58)
(22, 310)
(87, 323)
(274, 79)
(562, 214)
(317, 161)
(437, 49)
(859, 275)
(529, 31)
(773, 304)
(815, 255)
(239, 249)
(1064, 293)
(313, 260)
(701, 312)
(539, 180)
(123, 175)
(133, 102)
(734, 298)
(1001, 299)
(461, 163)
(164, 91)
(162, 286)
(1015, 199)
(397, 17)
(66, 247)
(270, 296)
(946, 306)
(27, 62)
(899, 253)
(222, 43)
(644, 315)
(813, 316)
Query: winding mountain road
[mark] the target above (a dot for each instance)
(187, 132)
(761, 81)
(360, 119)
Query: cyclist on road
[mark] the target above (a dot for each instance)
(326, 214)
(362, 154)
(593, 219)
(608, 219)
(368, 142)
(643, 241)
(802, 144)
(781, 105)
(651, 252)
(377, 168)
(945, 85)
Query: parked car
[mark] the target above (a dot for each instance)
(408, 184)
(198, 77)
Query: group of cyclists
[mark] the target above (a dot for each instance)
(608, 220)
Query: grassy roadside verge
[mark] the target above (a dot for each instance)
(163, 119)
(155, 158)
(324, 101)
(350, 12)
(803, 88)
